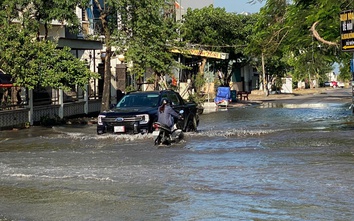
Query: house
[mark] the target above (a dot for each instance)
(58, 102)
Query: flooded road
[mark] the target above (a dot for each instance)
(280, 160)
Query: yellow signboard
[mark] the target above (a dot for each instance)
(347, 15)
(203, 53)
(347, 30)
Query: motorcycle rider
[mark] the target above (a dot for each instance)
(166, 114)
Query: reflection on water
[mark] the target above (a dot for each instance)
(302, 105)
(266, 162)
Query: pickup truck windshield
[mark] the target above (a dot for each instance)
(137, 100)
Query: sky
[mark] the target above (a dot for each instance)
(237, 6)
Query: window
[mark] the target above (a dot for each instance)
(174, 99)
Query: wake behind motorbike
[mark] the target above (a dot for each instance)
(164, 135)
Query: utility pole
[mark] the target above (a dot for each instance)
(179, 36)
(352, 70)
(264, 76)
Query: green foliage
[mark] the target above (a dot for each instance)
(280, 32)
(31, 14)
(320, 56)
(283, 30)
(35, 63)
(130, 88)
(107, 14)
(39, 63)
(345, 74)
(215, 29)
(198, 83)
(148, 34)
(196, 98)
(267, 38)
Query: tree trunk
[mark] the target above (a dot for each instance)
(15, 96)
(156, 81)
(46, 30)
(4, 97)
(202, 66)
(106, 96)
(265, 89)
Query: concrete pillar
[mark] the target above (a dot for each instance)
(61, 103)
(100, 69)
(30, 105)
(121, 76)
(86, 99)
(121, 80)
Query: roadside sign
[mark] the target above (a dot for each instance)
(347, 30)
(207, 54)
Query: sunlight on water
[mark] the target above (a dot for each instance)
(303, 105)
(284, 105)
(223, 145)
(236, 132)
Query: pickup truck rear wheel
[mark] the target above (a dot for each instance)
(192, 124)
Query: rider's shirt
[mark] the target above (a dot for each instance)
(166, 117)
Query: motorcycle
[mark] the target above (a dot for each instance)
(165, 136)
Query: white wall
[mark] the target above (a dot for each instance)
(287, 86)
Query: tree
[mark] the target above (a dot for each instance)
(144, 31)
(34, 13)
(322, 19)
(215, 29)
(311, 59)
(267, 41)
(108, 17)
(33, 63)
(149, 32)
(311, 46)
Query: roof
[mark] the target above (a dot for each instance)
(144, 92)
(80, 44)
(149, 92)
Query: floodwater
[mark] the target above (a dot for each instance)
(273, 161)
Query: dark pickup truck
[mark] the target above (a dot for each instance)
(137, 111)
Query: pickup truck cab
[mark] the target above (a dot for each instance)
(137, 111)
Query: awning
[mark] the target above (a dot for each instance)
(80, 44)
(204, 53)
(5, 80)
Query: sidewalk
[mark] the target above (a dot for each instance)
(257, 97)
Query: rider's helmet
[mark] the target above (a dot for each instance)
(165, 101)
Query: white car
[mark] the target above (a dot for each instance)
(340, 84)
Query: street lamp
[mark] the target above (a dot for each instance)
(121, 58)
(103, 56)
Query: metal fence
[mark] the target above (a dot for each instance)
(28, 106)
